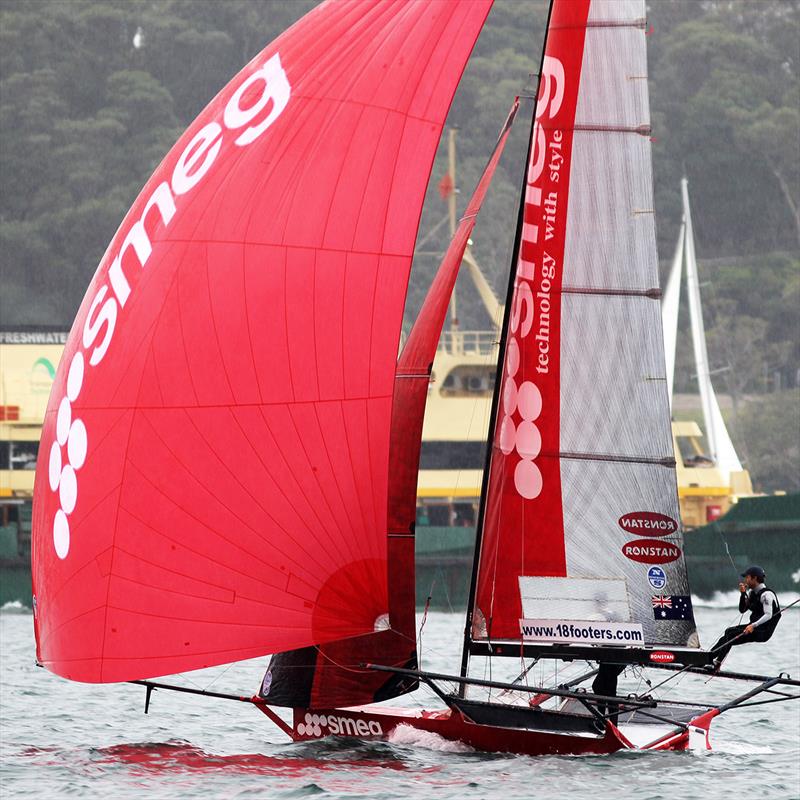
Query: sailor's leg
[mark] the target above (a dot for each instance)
(725, 642)
(599, 686)
(613, 708)
(759, 635)
(605, 683)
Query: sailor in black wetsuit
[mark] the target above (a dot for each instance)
(765, 613)
(606, 684)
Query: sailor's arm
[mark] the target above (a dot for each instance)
(766, 603)
(742, 598)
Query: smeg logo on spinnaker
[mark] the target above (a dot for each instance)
(251, 109)
(647, 523)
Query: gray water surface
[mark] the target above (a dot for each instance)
(62, 739)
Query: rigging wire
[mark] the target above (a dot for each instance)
(523, 674)
(422, 624)
(189, 680)
(444, 589)
(338, 665)
(727, 550)
(730, 558)
(638, 673)
(208, 686)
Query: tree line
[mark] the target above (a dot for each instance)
(93, 93)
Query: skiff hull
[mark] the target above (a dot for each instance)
(378, 723)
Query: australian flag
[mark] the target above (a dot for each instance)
(672, 606)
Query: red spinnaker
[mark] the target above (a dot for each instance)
(215, 454)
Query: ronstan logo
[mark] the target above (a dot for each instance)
(651, 551)
(648, 523)
(662, 657)
(265, 93)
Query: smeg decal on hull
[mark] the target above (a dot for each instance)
(319, 725)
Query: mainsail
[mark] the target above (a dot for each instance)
(215, 466)
(580, 514)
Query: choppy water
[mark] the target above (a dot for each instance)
(61, 739)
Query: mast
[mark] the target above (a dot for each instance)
(451, 211)
(530, 92)
(485, 291)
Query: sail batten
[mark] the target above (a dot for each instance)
(665, 461)
(611, 291)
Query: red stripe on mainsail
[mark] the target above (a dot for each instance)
(214, 486)
(523, 526)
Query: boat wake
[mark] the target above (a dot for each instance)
(731, 600)
(733, 747)
(14, 607)
(406, 734)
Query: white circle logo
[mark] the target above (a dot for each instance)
(70, 435)
(525, 437)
